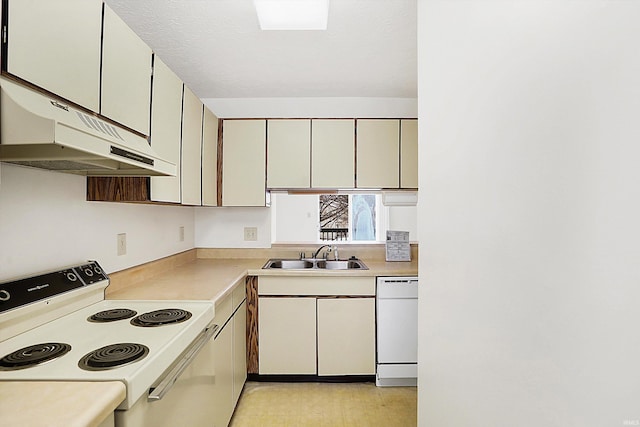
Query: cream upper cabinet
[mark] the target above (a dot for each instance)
(56, 45)
(191, 187)
(332, 153)
(288, 153)
(209, 158)
(378, 153)
(126, 74)
(166, 129)
(243, 162)
(409, 153)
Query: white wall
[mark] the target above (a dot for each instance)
(295, 219)
(45, 224)
(529, 215)
(223, 227)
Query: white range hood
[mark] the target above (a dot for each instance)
(41, 131)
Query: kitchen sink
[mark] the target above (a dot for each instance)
(318, 264)
(289, 264)
(348, 264)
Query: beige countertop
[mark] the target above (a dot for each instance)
(214, 279)
(201, 279)
(58, 404)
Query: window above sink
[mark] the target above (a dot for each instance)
(296, 218)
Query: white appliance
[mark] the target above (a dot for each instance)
(46, 132)
(161, 350)
(397, 331)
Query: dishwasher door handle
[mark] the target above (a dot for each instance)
(169, 380)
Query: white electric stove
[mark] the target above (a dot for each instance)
(57, 326)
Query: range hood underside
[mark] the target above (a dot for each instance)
(64, 159)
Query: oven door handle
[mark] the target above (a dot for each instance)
(169, 380)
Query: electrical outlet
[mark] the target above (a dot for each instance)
(251, 233)
(181, 233)
(122, 244)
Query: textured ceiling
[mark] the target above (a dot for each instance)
(217, 48)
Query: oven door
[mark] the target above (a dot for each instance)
(184, 395)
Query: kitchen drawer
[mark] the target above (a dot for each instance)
(239, 294)
(224, 309)
(296, 285)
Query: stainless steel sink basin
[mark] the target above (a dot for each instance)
(341, 264)
(288, 264)
(303, 264)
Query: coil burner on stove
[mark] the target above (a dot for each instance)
(112, 315)
(33, 355)
(161, 317)
(113, 356)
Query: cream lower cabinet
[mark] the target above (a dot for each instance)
(316, 325)
(287, 336)
(346, 336)
(223, 362)
(230, 363)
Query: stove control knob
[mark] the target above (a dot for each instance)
(72, 277)
(4, 295)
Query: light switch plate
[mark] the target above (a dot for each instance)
(122, 244)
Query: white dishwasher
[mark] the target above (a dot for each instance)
(397, 331)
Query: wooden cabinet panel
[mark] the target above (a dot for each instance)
(408, 153)
(209, 158)
(332, 153)
(346, 336)
(56, 45)
(126, 74)
(287, 335)
(288, 153)
(192, 109)
(243, 162)
(378, 153)
(166, 129)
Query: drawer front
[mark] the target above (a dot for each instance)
(224, 309)
(296, 285)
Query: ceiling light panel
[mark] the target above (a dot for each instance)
(292, 14)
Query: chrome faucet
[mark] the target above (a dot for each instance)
(330, 249)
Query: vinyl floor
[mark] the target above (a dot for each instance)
(325, 405)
